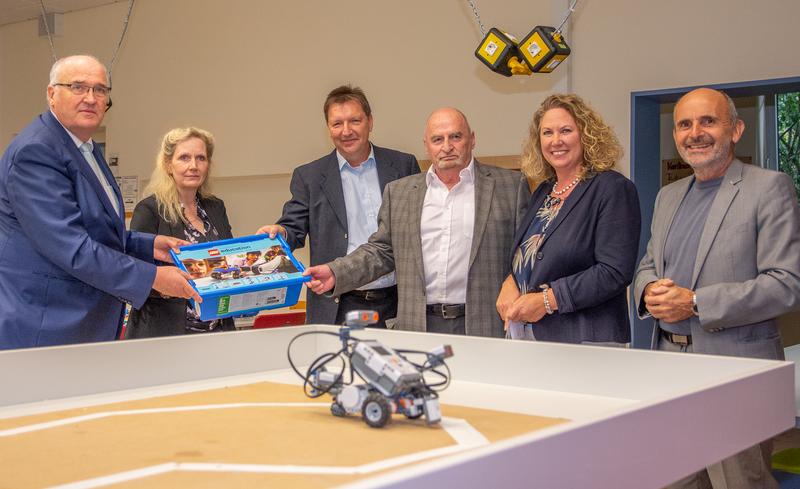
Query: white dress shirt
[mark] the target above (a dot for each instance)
(448, 221)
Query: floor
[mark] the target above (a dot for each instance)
(788, 439)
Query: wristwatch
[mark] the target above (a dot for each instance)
(694, 305)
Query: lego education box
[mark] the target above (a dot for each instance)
(242, 275)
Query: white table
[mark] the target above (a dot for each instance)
(638, 418)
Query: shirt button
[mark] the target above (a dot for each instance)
(539, 255)
(345, 235)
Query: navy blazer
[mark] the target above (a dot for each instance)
(588, 256)
(317, 210)
(67, 264)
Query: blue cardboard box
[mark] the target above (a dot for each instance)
(242, 275)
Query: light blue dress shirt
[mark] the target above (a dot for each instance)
(362, 199)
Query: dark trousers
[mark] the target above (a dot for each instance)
(438, 324)
(383, 301)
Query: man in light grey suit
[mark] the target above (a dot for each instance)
(723, 260)
(447, 233)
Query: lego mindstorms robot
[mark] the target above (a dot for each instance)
(392, 383)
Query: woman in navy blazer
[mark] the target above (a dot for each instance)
(575, 251)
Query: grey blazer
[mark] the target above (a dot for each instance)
(747, 270)
(500, 199)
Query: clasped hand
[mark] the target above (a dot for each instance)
(513, 306)
(668, 302)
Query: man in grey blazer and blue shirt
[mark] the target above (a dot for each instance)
(723, 261)
(335, 202)
(447, 233)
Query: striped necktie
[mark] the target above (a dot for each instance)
(86, 149)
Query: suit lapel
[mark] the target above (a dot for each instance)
(216, 218)
(101, 162)
(671, 202)
(536, 201)
(484, 188)
(569, 204)
(385, 166)
(416, 199)
(331, 183)
(88, 173)
(725, 195)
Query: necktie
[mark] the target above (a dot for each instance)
(86, 149)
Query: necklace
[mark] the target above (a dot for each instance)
(571, 184)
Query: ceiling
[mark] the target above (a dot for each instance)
(18, 10)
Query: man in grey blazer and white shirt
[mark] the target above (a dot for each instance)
(723, 260)
(447, 233)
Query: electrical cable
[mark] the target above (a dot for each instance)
(121, 37)
(312, 390)
(116, 49)
(317, 363)
(477, 16)
(47, 29)
(569, 14)
(428, 366)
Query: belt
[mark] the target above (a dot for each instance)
(678, 339)
(446, 311)
(375, 294)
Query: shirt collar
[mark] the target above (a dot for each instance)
(75, 139)
(466, 174)
(342, 161)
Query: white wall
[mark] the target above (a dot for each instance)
(622, 46)
(255, 73)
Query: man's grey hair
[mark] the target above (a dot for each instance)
(55, 70)
(731, 108)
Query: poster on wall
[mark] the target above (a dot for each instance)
(129, 187)
(673, 169)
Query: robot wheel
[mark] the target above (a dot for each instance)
(376, 410)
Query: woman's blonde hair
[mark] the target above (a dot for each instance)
(601, 148)
(162, 185)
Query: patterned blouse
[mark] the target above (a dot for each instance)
(193, 235)
(525, 255)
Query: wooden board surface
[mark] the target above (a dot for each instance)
(263, 434)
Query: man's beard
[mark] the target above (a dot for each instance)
(718, 154)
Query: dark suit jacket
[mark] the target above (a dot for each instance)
(588, 257)
(67, 264)
(500, 199)
(167, 317)
(317, 210)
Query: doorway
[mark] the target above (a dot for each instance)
(648, 145)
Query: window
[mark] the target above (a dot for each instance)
(789, 135)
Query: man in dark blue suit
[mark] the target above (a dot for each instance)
(335, 202)
(67, 264)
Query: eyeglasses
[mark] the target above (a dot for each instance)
(99, 91)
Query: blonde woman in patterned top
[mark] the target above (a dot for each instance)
(181, 204)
